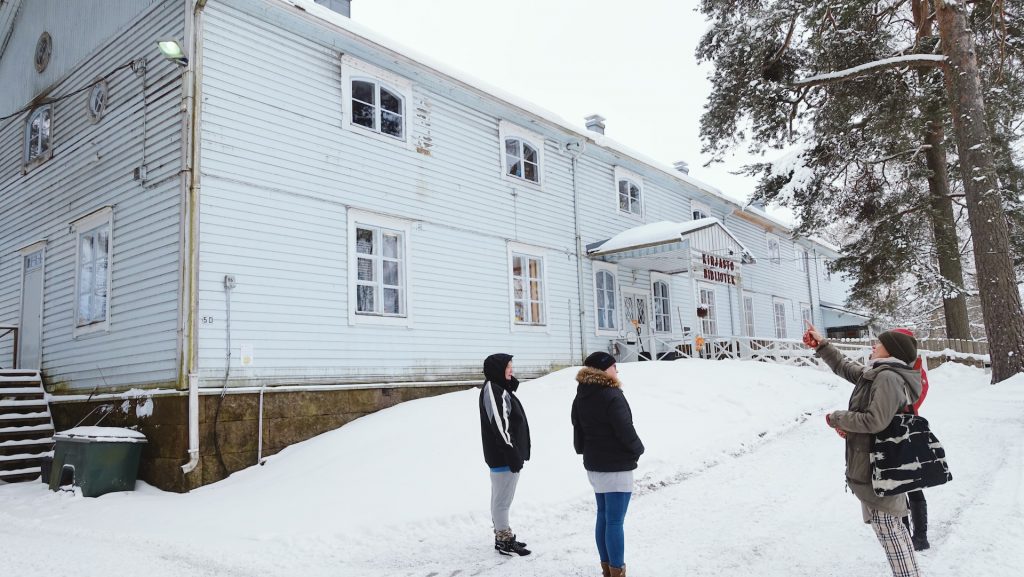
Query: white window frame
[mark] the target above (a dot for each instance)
(749, 320)
(368, 219)
(103, 217)
(776, 301)
(708, 324)
(825, 271)
(667, 280)
(28, 161)
(528, 251)
(806, 314)
(622, 174)
(801, 258)
(508, 130)
(775, 259)
(696, 205)
(353, 69)
(612, 269)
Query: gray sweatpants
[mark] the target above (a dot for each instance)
(503, 489)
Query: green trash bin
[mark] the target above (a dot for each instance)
(98, 460)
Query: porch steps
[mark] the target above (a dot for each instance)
(26, 427)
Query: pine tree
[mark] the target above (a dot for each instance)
(867, 143)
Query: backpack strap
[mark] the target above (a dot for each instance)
(909, 406)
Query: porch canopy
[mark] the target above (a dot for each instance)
(668, 246)
(839, 316)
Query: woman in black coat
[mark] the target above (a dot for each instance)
(603, 433)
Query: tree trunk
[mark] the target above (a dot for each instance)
(997, 283)
(947, 248)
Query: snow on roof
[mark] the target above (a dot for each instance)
(102, 435)
(651, 234)
(347, 24)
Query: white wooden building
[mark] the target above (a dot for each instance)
(297, 201)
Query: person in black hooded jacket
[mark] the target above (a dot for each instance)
(505, 433)
(603, 433)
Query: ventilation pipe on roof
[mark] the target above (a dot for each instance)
(595, 123)
(682, 166)
(343, 7)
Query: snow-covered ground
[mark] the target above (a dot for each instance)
(741, 478)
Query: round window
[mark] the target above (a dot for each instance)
(98, 100)
(44, 46)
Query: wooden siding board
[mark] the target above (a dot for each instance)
(91, 168)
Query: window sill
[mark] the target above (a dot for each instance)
(379, 320)
(100, 327)
(519, 180)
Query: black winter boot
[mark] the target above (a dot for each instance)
(506, 544)
(919, 512)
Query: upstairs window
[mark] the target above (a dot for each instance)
(699, 210)
(378, 108)
(522, 154)
(376, 102)
(629, 197)
(37, 135)
(801, 260)
(629, 188)
(522, 159)
(774, 250)
(827, 271)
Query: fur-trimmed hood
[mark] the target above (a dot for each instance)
(591, 376)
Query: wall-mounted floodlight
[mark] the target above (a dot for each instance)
(173, 52)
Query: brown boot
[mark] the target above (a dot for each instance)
(618, 571)
(606, 570)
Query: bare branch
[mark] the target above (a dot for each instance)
(908, 61)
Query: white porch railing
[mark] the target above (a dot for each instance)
(672, 347)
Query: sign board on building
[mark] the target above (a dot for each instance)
(718, 270)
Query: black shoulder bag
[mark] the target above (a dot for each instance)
(906, 456)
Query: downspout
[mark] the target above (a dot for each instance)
(192, 102)
(810, 291)
(575, 150)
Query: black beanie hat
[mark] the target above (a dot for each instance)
(900, 346)
(599, 360)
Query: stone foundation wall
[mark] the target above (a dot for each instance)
(228, 438)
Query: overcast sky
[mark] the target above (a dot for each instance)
(629, 61)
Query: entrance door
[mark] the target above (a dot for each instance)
(30, 330)
(634, 305)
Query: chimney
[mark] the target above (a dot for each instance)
(343, 7)
(681, 166)
(595, 123)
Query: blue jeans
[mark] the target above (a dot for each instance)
(611, 540)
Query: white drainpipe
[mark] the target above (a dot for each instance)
(193, 424)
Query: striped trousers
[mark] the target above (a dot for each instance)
(895, 539)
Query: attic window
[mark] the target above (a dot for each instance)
(378, 108)
(37, 136)
(44, 47)
(98, 100)
(522, 159)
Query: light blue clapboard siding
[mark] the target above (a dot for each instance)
(282, 170)
(77, 28)
(91, 168)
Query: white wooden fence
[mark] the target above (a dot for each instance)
(782, 351)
